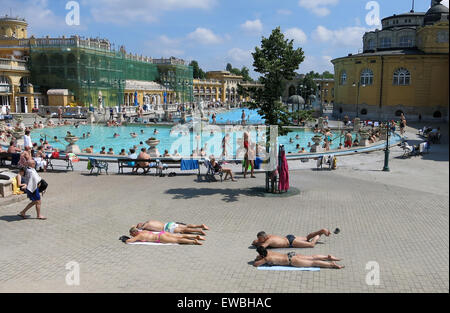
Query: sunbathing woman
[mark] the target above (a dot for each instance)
(290, 241)
(162, 237)
(296, 260)
(174, 228)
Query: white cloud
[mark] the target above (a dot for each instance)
(284, 12)
(297, 35)
(343, 37)
(204, 36)
(318, 7)
(445, 2)
(141, 11)
(253, 26)
(239, 56)
(40, 18)
(316, 64)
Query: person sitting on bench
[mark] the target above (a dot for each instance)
(290, 241)
(162, 237)
(296, 260)
(174, 228)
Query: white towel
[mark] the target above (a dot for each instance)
(153, 244)
(32, 179)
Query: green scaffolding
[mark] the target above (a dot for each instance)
(85, 72)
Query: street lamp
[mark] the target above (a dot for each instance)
(357, 97)
(386, 151)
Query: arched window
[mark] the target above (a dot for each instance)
(291, 91)
(371, 44)
(343, 78)
(366, 77)
(406, 42)
(385, 42)
(364, 112)
(402, 77)
(437, 114)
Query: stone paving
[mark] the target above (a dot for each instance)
(398, 219)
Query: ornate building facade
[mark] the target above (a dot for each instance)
(403, 69)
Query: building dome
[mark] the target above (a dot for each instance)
(296, 99)
(435, 13)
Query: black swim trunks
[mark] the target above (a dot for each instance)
(291, 239)
(290, 255)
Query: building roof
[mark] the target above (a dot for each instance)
(143, 85)
(296, 99)
(385, 53)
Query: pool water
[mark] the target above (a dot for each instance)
(234, 116)
(102, 136)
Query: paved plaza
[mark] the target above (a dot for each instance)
(398, 219)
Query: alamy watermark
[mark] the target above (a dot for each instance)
(373, 276)
(73, 276)
(73, 16)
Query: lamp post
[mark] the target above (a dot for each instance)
(386, 151)
(357, 97)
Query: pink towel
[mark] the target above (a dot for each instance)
(284, 173)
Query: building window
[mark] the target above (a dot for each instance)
(366, 77)
(402, 77)
(406, 42)
(363, 112)
(4, 84)
(343, 79)
(437, 114)
(371, 44)
(385, 42)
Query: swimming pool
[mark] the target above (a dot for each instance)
(171, 140)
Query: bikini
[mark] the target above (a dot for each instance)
(159, 236)
(290, 255)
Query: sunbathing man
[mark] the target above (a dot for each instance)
(174, 228)
(296, 260)
(290, 241)
(162, 237)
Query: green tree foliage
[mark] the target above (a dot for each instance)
(276, 60)
(198, 72)
(244, 72)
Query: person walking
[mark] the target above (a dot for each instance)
(32, 180)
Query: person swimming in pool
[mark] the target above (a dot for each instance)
(296, 260)
(172, 227)
(290, 241)
(161, 237)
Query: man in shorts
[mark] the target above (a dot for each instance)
(173, 228)
(290, 241)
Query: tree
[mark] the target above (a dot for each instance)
(245, 73)
(276, 60)
(229, 67)
(198, 72)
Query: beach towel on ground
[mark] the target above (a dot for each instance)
(289, 268)
(153, 244)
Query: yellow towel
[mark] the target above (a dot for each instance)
(16, 189)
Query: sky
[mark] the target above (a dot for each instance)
(216, 32)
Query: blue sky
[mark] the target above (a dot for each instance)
(214, 32)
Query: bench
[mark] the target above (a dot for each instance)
(12, 157)
(125, 163)
(51, 159)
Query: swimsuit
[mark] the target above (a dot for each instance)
(290, 255)
(291, 239)
(170, 227)
(159, 236)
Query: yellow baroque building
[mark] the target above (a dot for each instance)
(403, 69)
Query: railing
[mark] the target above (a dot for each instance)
(7, 64)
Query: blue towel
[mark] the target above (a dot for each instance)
(258, 162)
(289, 268)
(189, 165)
